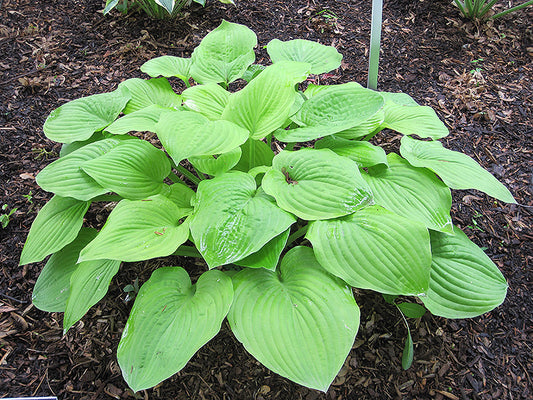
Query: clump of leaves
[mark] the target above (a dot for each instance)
(159, 9)
(478, 9)
(340, 213)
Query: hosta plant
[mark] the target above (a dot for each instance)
(285, 234)
(160, 9)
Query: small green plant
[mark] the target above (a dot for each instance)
(338, 212)
(159, 9)
(478, 9)
(4, 217)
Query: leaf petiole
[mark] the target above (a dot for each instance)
(298, 234)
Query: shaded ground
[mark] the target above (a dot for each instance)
(477, 77)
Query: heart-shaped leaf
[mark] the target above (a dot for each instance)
(65, 177)
(415, 193)
(456, 169)
(265, 103)
(56, 225)
(170, 320)
(464, 282)
(300, 323)
(134, 169)
(374, 249)
(52, 288)
(168, 66)
(336, 109)
(316, 184)
(145, 93)
(78, 119)
(322, 58)
(209, 100)
(224, 54)
(232, 219)
(404, 115)
(197, 135)
(363, 153)
(139, 230)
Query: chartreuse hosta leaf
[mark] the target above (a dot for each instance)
(330, 111)
(187, 134)
(170, 320)
(65, 177)
(456, 169)
(262, 155)
(232, 219)
(145, 93)
(316, 184)
(88, 285)
(139, 121)
(375, 249)
(135, 169)
(78, 119)
(322, 58)
(182, 195)
(252, 72)
(300, 322)
(265, 103)
(269, 254)
(168, 66)
(216, 164)
(464, 282)
(56, 225)
(209, 100)
(363, 153)
(139, 230)
(68, 148)
(224, 54)
(365, 128)
(404, 115)
(415, 193)
(51, 290)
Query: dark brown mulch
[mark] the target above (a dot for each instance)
(478, 77)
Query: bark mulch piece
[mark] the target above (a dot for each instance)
(477, 76)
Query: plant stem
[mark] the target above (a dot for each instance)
(515, 8)
(375, 39)
(187, 251)
(188, 174)
(251, 150)
(370, 135)
(107, 197)
(175, 178)
(298, 234)
(199, 173)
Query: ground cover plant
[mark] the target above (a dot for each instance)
(480, 8)
(370, 220)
